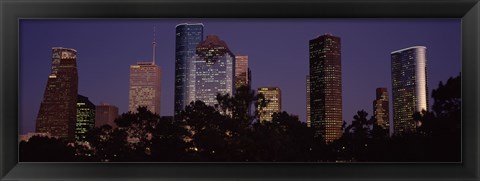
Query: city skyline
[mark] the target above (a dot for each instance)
(256, 66)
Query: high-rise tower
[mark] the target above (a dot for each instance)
(326, 87)
(381, 109)
(309, 123)
(241, 71)
(85, 117)
(145, 85)
(409, 86)
(274, 98)
(212, 71)
(58, 110)
(187, 37)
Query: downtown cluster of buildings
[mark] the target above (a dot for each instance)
(206, 66)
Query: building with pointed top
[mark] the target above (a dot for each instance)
(144, 89)
(211, 71)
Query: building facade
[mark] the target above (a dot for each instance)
(144, 87)
(187, 37)
(326, 87)
(381, 108)
(241, 71)
(85, 118)
(274, 97)
(212, 71)
(309, 123)
(106, 114)
(57, 114)
(409, 86)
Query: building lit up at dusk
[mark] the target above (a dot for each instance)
(85, 117)
(326, 87)
(106, 114)
(144, 87)
(381, 108)
(309, 123)
(409, 86)
(58, 110)
(274, 97)
(187, 37)
(212, 71)
(145, 84)
(241, 71)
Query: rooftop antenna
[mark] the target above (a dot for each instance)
(154, 44)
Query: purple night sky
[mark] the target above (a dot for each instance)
(277, 50)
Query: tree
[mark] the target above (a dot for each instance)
(45, 149)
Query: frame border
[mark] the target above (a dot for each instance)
(12, 10)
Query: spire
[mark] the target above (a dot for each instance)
(154, 44)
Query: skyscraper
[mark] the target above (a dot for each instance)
(309, 123)
(326, 87)
(187, 37)
(274, 96)
(409, 86)
(145, 85)
(241, 71)
(381, 109)
(212, 71)
(85, 117)
(58, 113)
(106, 114)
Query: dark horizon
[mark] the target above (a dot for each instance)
(278, 56)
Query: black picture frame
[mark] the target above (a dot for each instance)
(11, 11)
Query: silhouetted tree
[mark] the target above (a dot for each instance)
(45, 149)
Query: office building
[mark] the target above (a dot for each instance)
(58, 110)
(106, 114)
(187, 37)
(241, 71)
(274, 97)
(381, 109)
(409, 86)
(85, 118)
(211, 72)
(309, 124)
(326, 87)
(145, 85)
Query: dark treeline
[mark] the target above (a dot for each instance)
(227, 132)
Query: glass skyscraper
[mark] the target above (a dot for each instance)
(211, 71)
(85, 117)
(187, 37)
(58, 110)
(326, 87)
(409, 86)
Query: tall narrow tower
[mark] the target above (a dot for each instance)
(187, 37)
(145, 85)
(409, 86)
(326, 87)
(381, 108)
(58, 109)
